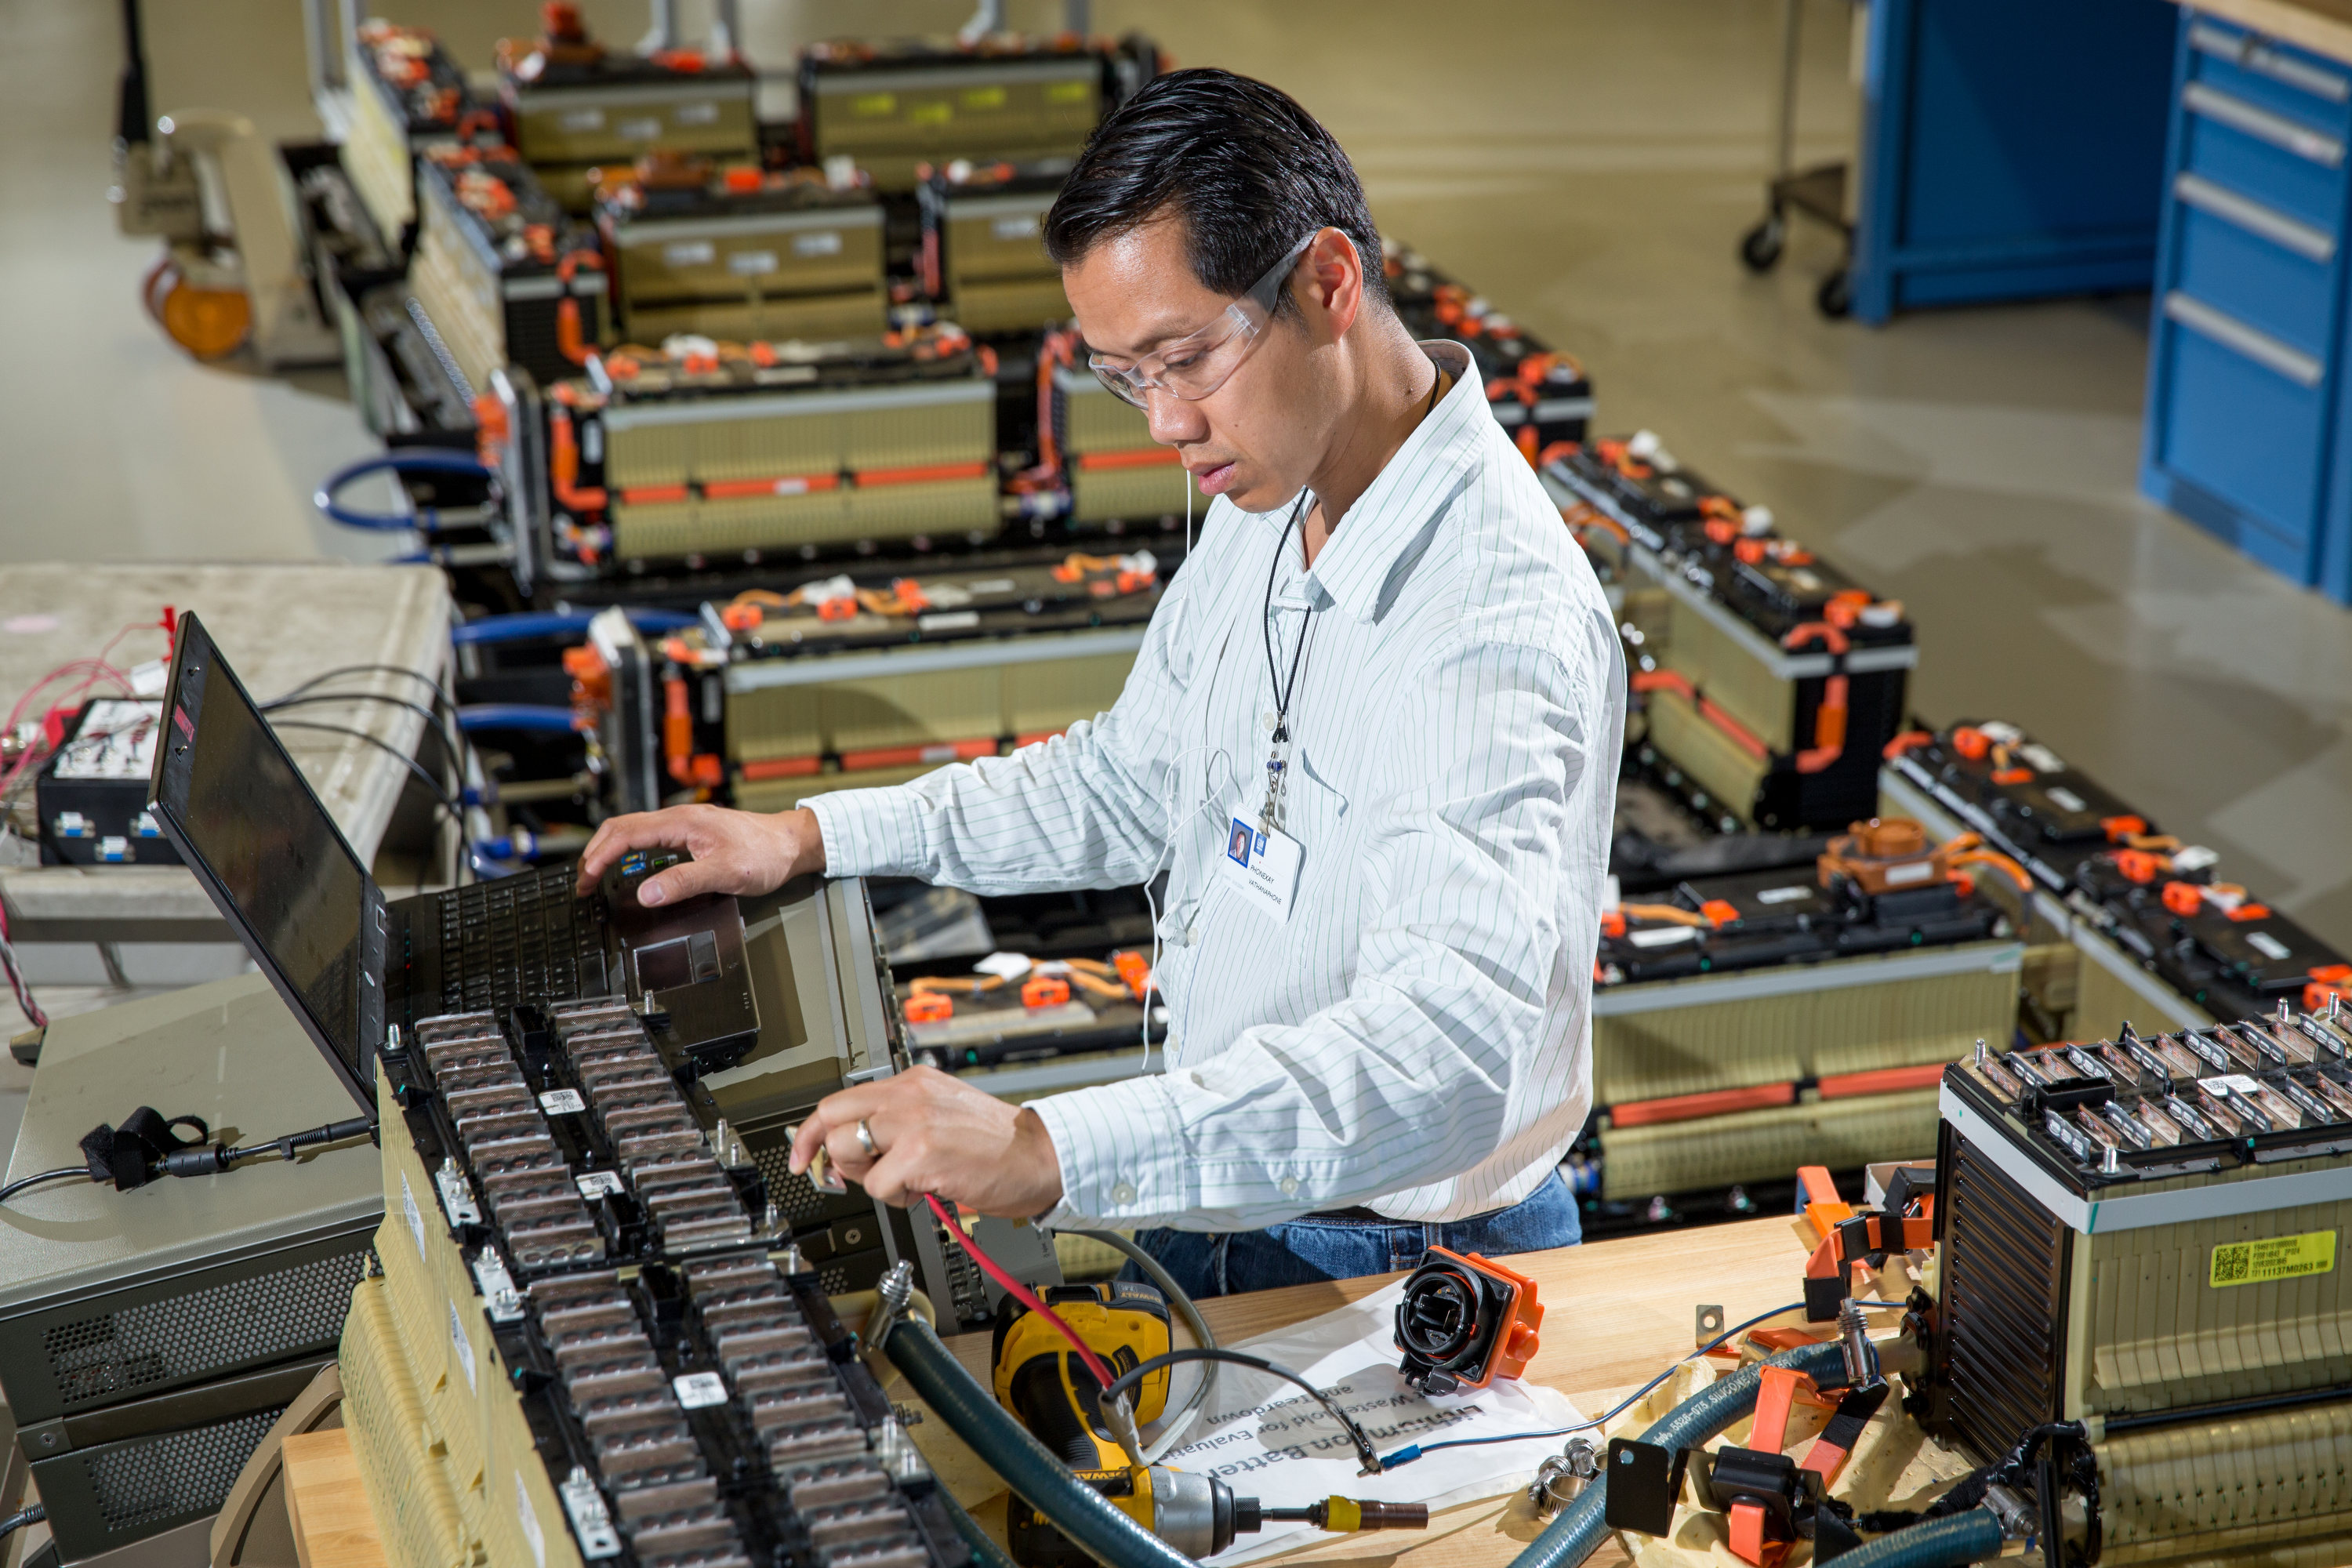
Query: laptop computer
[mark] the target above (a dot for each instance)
(354, 966)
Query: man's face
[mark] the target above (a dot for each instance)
(1255, 440)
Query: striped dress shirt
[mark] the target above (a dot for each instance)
(1416, 1036)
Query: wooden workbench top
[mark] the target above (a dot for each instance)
(1616, 1314)
(2322, 26)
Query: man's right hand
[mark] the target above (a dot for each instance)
(734, 851)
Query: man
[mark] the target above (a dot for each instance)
(1386, 668)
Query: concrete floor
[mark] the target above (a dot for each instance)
(1590, 166)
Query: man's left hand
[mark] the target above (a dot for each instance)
(936, 1135)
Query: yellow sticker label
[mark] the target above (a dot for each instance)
(1069, 92)
(873, 103)
(984, 98)
(2273, 1257)
(938, 113)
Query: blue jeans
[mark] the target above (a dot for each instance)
(1306, 1250)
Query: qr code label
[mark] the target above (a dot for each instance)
(2272, 1258)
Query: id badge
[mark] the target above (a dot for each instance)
(1262, 865)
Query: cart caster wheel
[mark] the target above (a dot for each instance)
(1759, 247)
(1836, 296)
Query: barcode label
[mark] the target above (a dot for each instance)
(2273, 1257)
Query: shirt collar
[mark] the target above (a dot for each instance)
(1355, 567)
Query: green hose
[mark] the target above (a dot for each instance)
(1028, 1467)
(984, 1550)
(1968, 1537)
(1577, 1533)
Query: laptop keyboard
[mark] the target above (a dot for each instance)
(521, 939)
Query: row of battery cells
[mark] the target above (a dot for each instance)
(662, 1489)
(2231, 1080)
(522, 1175)
(782, 1382)
(659, 1147)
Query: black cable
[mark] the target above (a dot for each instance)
(430, 684)
(1265, 629)
(1128, 1379)
(34, 1514)
(1407, 1455)
(439, 794)
(59, 1175)
(433, 719)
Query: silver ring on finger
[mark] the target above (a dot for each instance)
(865, 1139)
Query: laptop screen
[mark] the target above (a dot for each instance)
(248, 823)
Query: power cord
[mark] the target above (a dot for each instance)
(146, 1148)
(440, 795)
(32, 1514)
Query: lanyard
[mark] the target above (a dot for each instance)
(1269, 816)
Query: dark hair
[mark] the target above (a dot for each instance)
(1250, 173)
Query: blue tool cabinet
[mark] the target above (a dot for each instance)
(2245, 418)
(2011, 149)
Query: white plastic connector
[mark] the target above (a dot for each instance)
(1756, 520)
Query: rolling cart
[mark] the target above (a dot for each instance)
(1818, 193)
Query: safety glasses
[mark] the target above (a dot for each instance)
(1197, 363)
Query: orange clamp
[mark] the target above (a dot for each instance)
(929, 1007)
(1044, 991)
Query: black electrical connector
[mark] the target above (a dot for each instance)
(147, 1146)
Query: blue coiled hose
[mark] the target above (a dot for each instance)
(407, 460)
(527, 717)
(532, 625)
(1968, 1537)
(1572, 1536)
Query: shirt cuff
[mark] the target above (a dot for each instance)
(1121, 1146)
(869, 832)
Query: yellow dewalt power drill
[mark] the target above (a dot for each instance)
(1048, 1389)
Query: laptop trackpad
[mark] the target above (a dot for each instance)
(687, 960)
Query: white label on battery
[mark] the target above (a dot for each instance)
(690, 253)
(2235, 1083)
(562, 1102)
(990, 585)
(696, 114)
(463, 1346)
(2044, 761)
(697, 1389)
(528, 1517)
(1662, 936)
(415, 1217)
(752, 263)
(952, 621)
(2267, 944)
(2064, 799)
(584, 119)
(649, 129)
(823, 242)
(1912, 871)
(1784, 895)
(1021, 227)
(596, 1184)
(590, 1523)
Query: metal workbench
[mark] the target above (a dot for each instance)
(280, 625)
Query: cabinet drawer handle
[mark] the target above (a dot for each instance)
(2245, 50)
(2262, 124)
(2233, 334)
(2290, 234)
